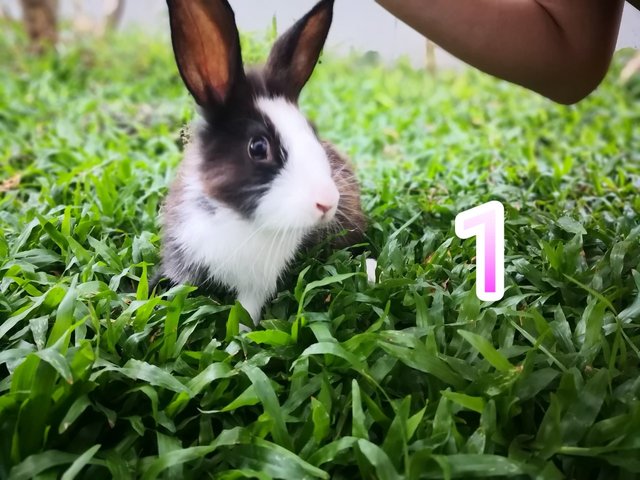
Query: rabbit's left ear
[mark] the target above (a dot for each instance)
(296, 52)
(207, 49)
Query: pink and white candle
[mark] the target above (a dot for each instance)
(486, 223)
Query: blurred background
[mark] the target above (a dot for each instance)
(359, 25)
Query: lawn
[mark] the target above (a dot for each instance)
(411, 377)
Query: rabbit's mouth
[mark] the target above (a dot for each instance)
(327, 216)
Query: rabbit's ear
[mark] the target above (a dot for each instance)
(207, 48)
(296, 52)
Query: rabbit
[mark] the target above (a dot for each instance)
(256, 184)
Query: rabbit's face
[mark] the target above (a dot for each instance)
(265, 161)
(303, 194)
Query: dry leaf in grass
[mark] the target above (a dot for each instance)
(10, 183)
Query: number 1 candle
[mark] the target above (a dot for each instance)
(486, 223)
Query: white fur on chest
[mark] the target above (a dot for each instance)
(234, 251)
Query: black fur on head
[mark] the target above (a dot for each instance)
(207, 49)
(229, 172)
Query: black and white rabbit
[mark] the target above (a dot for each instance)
(256, 182)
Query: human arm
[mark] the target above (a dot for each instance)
(559, 48)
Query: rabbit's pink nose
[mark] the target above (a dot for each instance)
(326, 200)
(323, 208)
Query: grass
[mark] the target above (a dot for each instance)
(412, 377)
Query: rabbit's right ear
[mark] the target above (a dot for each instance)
(295, 54)
(207, 48)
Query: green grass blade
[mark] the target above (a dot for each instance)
(493, 356)
(79, 463)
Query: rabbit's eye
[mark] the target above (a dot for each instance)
(259, 148)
